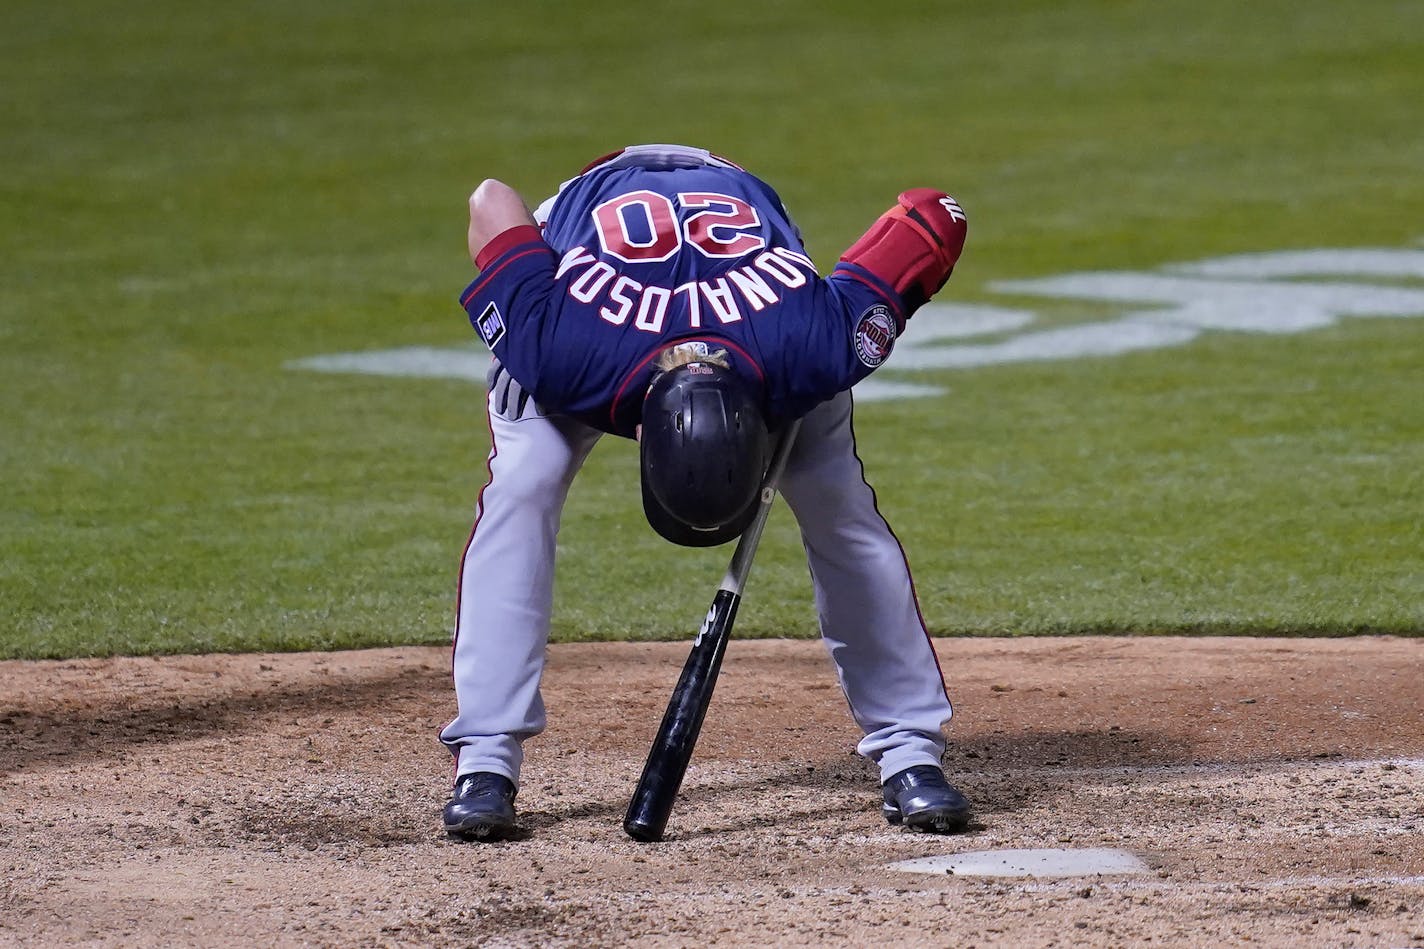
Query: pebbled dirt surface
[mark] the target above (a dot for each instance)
(1275, 787)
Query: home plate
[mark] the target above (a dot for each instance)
(1026, 863)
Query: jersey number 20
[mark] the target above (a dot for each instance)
(642, 226)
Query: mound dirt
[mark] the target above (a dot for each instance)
(1273, 788)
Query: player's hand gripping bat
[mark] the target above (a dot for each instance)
(653, 798)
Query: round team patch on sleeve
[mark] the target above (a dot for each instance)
(875, 335)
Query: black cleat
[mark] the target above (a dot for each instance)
(481, 807)
(921, 799)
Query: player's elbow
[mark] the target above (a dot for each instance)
(495, 207)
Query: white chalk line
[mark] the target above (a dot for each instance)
(1247, 293)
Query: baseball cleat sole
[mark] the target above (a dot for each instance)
(938, 823)
(482, 829)
(929, 822)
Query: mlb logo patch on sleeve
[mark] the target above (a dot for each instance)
(875, 335)
(490, 325)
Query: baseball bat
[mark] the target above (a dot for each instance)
(668, 758)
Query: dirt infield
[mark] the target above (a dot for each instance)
(1274, 788)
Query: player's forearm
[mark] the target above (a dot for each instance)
(495, 208)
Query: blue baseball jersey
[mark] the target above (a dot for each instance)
(633, 259)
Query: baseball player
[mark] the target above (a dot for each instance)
(664, 292)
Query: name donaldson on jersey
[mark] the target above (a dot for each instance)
(758, 285)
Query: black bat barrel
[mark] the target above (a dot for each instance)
(657, 789)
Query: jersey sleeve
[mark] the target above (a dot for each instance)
(878, 284)
(868, 315)
(839, 333)
(508, 303)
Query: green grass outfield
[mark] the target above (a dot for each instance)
(192, 196)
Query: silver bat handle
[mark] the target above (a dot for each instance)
(741, 564)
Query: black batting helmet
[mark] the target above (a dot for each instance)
(704, 452)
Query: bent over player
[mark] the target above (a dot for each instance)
(669, 296)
